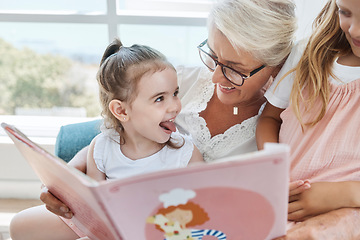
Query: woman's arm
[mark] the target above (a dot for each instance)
(79, 160)
(268, 126)
(196, 156)
(53, 204)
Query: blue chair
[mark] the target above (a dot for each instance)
(74, 137)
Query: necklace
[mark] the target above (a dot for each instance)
(235, 110)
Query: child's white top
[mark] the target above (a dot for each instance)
(111, 161)
(278, 94)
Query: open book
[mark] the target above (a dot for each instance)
(241, 197)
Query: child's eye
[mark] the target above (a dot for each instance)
(344, 13)
(159, 99)
(176, 93)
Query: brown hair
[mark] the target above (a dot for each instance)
(120, 70)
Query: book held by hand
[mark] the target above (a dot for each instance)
(240, 197)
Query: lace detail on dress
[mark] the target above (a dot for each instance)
(219, 145)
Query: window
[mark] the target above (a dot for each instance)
(42, 6)
(51, 49)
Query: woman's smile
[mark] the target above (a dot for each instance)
(226, 89)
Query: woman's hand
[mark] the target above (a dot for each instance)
(53, 204)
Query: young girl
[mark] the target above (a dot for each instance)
(138, 93)
(321, 123)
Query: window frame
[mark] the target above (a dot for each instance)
(112, 18)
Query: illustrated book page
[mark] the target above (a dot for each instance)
(240, 197)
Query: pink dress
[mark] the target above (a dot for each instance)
(330, 151)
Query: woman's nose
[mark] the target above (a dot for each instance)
(218, 76)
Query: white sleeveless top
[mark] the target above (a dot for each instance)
(110, 160)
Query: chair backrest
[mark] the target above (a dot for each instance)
(74, 137)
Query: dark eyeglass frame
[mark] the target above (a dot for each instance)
(223, 66)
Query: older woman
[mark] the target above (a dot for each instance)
(248, 42)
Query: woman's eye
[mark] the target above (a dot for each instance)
(235, 68)
(159, 99)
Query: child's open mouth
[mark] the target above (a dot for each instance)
(168, 125)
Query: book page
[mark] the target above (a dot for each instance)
(242, 197)
(69, 185)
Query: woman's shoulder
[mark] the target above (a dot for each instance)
(190, 76)
(184, 71)
(190, 79)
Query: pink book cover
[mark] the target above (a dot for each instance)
(241, 197)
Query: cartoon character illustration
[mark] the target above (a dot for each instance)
(179, 214)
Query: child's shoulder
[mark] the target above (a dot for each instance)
(178, 136)
(108, 135)
(297, 51)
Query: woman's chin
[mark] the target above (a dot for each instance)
(226, 99)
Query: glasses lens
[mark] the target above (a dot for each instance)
(233, 76)
(207, 60)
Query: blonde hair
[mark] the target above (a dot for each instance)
(326, 43)
(264, 28)
(121, 69)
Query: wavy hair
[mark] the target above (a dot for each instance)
(311, 81)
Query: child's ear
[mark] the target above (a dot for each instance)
(118, 109)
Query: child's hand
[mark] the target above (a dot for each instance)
(322, 197)
(298, 186)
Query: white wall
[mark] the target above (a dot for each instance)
(306, 11)
(17, 179)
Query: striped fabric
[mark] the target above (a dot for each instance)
(198, 234)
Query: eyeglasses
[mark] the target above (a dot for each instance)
(233, 76)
